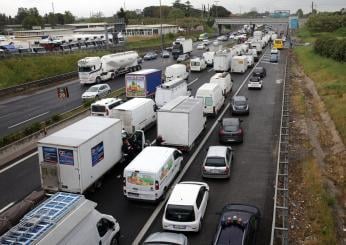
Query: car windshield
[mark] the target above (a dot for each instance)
(194, 63)
(240, 102)
(254, 79)
(182, 213)
(232, 234)
(98, 108)
(93, 89)
(208, 101)
(230, 127)
(84, 68)
(273, 57)
(215, 162)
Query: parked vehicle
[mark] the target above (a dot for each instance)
(136, 114)
(96, 69)
(259, 72)
(171, 90)
(189, 122)
(39, 50)
(238, 222)
(231, 131)
(222, 60)
(176, 71)
(165, 54)
(104, 107)
(197, 64)
(206, 42)
(239, 64)
(150, 56)
(9, 49)
(239, 105)
(76, 157)
(97, 91)
(209, 57)
(183, 57)
(64, 218)
(142, 83)
(186, 207)
(211, 97)
(65, 48)
(181, 47)
(218, 162)
(224, 80)
(149, 175)
(255, 83)
(166, 238)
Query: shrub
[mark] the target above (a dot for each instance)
(331, 48)
(56, 118)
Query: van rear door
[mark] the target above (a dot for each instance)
(139, 184)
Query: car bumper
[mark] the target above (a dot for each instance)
(183, 226)
(240, 112)
(231, 138)
(257, 86)
(215, 175)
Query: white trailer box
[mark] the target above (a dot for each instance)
(222, 60)
(224, 80)
(176, 71)
(239, 64)
(75, 157)
(209, 57)
(64, 218)
(136, 114)
(170, 90)
(180, 122)
(258, 46)
(197, 64)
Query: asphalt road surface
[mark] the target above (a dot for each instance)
(252, 176)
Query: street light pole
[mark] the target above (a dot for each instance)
(161, 35)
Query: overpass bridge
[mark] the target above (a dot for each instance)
(249, 21)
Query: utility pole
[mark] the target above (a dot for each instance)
(53, 7)
(161, 35)
(312, 7)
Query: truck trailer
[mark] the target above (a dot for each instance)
(142, 83)
(181, 47)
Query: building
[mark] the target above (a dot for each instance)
(42, 33)
(149, 30)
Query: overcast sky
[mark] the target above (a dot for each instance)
(83, 8)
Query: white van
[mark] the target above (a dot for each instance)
(171, 90)
(149, 175)
(239, 64)
(224, 80)
(209, 57)
(176, 71)
(136, 114)
(197, 64)
(212, 98)
(104, 107)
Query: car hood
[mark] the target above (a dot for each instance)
(89, 94)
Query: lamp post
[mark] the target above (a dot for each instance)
(161, 35)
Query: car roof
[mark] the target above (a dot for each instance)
(106, 101)
(217, 151)
(259, 68)
(167, 237)
(239, 98)
(184, 193)
(99, 85)
(230, 121)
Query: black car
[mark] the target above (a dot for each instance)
(231, 130)
(239, 225)
(239, 105)
(259, 72)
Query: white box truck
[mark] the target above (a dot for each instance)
(64, 218)
(180, 122)
(76, 157)
(224, 80)
(258, 46)
(181, 47)
(176, 71)
(209, 57)
(258, 35)
(136, 114)
(171, 90)
(222, 60)
(96, 69)
(239, 64)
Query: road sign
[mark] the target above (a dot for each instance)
(63, 93)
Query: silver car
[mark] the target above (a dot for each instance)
(166, 238)
(217, 163)
(96, 92)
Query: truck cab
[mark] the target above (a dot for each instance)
(88, 70)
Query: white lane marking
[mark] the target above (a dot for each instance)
(211, 69)
(193, 81)
(156, 212)
(6, 207)
(19, 161)
(153, 142)
(15, 125)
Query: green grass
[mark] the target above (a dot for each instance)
(310, 37)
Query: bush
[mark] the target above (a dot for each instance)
(32, 129)
(326, 22)
(331, 48)
(56, 118)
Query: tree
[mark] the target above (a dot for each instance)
(300, 13)
(30, 21)
(21, 14)
(219, 11)
(68, 17)
(188, 8)
(176, 13)
(122, 15)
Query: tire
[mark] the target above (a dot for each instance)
(115, 240)
(98, 80)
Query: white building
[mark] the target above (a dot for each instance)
(150, 30)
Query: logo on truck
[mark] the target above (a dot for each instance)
(140, 179)
(135, 86)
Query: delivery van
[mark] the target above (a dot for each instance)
(176, 71)
(171, 90)
(224, 81)
(150, 174)
(136, 114)
(212, 98)
(239, 64)
(197, 64)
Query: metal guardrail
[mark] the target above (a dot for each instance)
(279, 234)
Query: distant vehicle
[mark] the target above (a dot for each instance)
(253, 52)
(9, 49)
(255, 83)
(222, 38)
(222, 60)
(143, 83)
(139, 60)
(90, 44)
(239, 105)
(224, 80)
(186, 207)
(150, 56)
(104, 107)
(209, 57)
(182, 58)
(165, 54)
(65, 48)
(39, 50)
(216, 43)
(73, 46)
(274, 58)
(231, 130)
(170, 48)
(239, 224)
(284, 38)
(211, 95)
(259, 72)
(96, 92)
(203, 36)
(218, 162)
(278, 43)
(2, 38)
(82, 45)
(181, 47)
(25, 50)
(231, 36)
(206, 42)
(166, 238)
(250, 60)
(171, 90)
(201, 46)
(176, 71)
(239, 64)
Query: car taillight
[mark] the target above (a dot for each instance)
(214, 109)
(157, 186)
(227, 170)
(124, 180)
(221, 132)
(204, 169)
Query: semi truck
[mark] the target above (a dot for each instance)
(142, 83)
(95, 69)
(182, 47)
(64, 218)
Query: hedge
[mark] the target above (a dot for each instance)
(331, 47)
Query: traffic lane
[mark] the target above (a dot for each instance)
(18, 181)
(253, 169)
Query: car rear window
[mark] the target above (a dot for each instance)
(232, 234)
(215, 162)
(230, 128)
(240, 102)
(254, 79)
(182, 213)
(98, 108)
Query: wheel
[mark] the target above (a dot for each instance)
(98, 80)
(115, 240)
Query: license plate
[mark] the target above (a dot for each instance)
(179, 226)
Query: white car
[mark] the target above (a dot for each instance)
(222, 38)
(216, 43)
(201, 46)
(96, 92)
(231, 36)
(255, 83)
(186, 207)
(206, 42)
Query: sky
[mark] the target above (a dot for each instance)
(84, 8)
